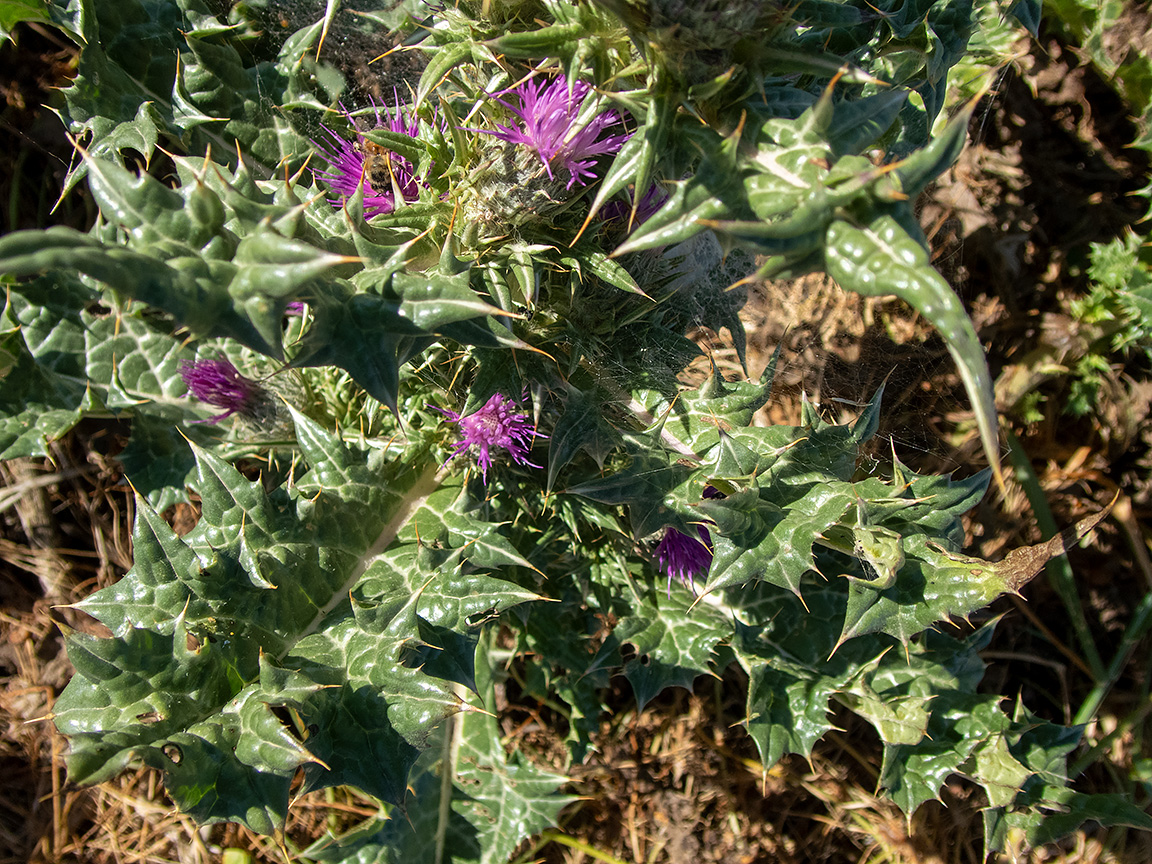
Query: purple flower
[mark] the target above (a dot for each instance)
(547, 111)
(218, 383)
(684, 557)
(496, 426)
(295, 309)
(621, 211)
(678, 555)
(363, 162)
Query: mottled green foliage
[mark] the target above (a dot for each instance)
(278, 635)
(349, 601)
(495, 800)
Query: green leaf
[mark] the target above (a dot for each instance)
(858, 124)
(758, 540)
(932, 586)
(13, 12)
(37, 403)
(431, 303)
(362, 334)
(34, 408)
(787, 702)
(667, 646)
(580, 427)
(900, 718)
(452, 516)
(495, 800)
(1027, 12)
(649, 487)
(884, 258)
(445, 59)
(925, 165)
(966, 734)
(504, 798)
(1041, 828)
(699, 417)
(290, 585)
(171, 288)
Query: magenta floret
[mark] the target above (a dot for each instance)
(498, 425)
(547, 110)
(352, 163)
(682, 557)
(646, 208)
(218, 383)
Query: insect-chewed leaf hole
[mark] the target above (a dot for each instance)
(478, 618)
(290, 720)
(627, 652)
(174, 753)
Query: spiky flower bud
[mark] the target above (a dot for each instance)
(529, 170)
(678, 555)
(548, 112)
(510, 188)
(698, 40)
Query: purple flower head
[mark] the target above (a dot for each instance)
(295, 309)
(363, 162)
(650, 202)
(218, 383)
(547, 110)
(683, 557)
(678, 555)
(496, 426)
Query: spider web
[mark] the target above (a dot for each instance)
(357, 40)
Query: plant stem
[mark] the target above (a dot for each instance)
(581, 846)
(1101, 747)
(1135, 631)
(1058, 570)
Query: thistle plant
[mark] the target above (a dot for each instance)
(336, 622)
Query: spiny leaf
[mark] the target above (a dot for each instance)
(496, 801)
(937, 584)
(450, 515)
(787, 705)
(198, 617)
(13, 12)
(965, 734)
(756, 539)
(884, 258)
(670, 646)
(580, 427)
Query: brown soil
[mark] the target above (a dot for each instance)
(1048, 172)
